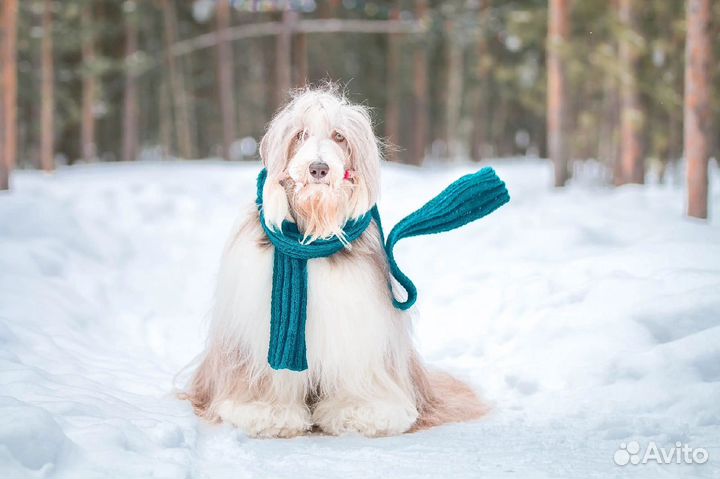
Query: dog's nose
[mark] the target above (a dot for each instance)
(319, 169)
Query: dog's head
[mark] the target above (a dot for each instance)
(323, 163)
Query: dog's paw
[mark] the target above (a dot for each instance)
(259, 419)
(366, 418)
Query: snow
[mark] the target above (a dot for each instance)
(585, 318)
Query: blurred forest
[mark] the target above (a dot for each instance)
(109, 80)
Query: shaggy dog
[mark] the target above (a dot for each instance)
(364, 375)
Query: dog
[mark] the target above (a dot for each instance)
(364, 375)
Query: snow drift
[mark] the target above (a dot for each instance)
(586, 318)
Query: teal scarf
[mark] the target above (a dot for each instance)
(467, 199)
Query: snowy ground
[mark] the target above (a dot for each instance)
(586, 318)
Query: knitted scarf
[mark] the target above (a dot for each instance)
(469, 198)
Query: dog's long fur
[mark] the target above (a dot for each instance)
(364, 375)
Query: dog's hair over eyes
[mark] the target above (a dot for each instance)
(320, 125)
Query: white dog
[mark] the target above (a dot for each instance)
(363, 376)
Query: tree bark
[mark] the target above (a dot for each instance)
(455, 75)
(632, 117)
(420, 91)
(675, 143)
(327, 10)
(9, 92)
(557, 104)
(130, 101)
(608, 147)
(226, 69)
(481, 70)
(392, 100)
(698, 62)
(283, 57)
(165, 117)
(177, 83)
(300, 60)
(4, 173)
(89, 88)
(47, 107)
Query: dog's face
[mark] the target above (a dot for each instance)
(323, 163)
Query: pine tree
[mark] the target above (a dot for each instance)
(698, 132)
(130, 121)
(632, 116)
(47, 97)
(558, 35)
(225, 77)
(8, 60)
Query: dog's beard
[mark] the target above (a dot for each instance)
(320, 210)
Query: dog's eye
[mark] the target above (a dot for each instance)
(338, 137)
(302, 135)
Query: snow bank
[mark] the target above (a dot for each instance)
(586, 318)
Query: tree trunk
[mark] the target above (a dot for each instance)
(632, 117)
(89, 88)
(323, 66)
(392, 99)
(47, 107)
(454, 91)
(557, 104)
(420, 92)
(300, 60)
(4, 173)
(478, 138)
(130, 101)
(165, 117)
(9, 92)
(283, 57)
(328, 8)
(698, 62)
(177, 83)
(675, 143)
(259, 77)
(226, 69)
(608, 147)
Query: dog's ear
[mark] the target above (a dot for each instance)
(274, 150)
(365, 158)
(275, 144)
